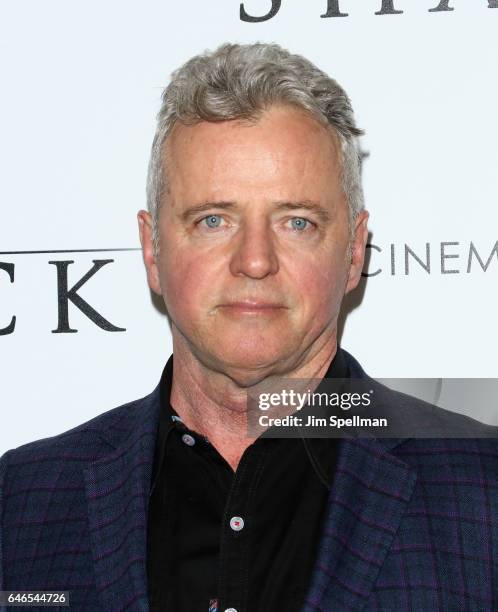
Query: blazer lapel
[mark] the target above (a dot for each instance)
(369, 495)
(117, 490)
(367, 500)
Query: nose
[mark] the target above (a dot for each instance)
(254, 253)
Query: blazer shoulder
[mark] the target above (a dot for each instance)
(87, 441)
(413, 416)
(410, 416)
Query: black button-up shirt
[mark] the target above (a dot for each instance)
(243, 540)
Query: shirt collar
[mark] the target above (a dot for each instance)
(321, 451)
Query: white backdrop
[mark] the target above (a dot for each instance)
(80, 87)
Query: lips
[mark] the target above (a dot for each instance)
(252, 304)
(251, 307)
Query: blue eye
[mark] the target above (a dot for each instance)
(212, 220)
(299, 223)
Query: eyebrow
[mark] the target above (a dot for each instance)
(194, 210)
(322, 213)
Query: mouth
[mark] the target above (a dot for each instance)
(251, 308)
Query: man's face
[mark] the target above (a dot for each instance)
(254, 236)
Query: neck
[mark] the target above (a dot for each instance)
(214, 404)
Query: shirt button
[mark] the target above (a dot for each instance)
(188, 439)
(236, 523)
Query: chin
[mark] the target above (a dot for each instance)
(246, 360)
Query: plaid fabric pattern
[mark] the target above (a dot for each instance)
(412, 529)
(409, 525)
(74, 510)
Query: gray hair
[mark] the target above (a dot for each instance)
(240, 82)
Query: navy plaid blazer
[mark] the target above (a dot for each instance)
(410, 524)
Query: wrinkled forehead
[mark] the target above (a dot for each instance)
(283, 148)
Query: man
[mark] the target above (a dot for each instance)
(255, 232)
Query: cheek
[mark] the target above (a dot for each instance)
(185, 282)
(320, 286)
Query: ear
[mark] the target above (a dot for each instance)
(358, 250)
(145, 231)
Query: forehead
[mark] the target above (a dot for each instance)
(284, 145)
